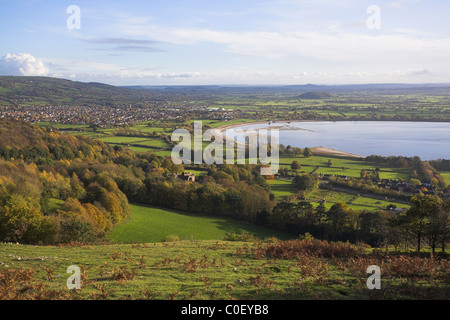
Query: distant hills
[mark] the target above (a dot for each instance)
(315, 95)
(393, 88)
(17, 90)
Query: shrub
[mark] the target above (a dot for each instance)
(271, 240)
(316, 248)
(306, 236)
(243, 236)
(172, 238)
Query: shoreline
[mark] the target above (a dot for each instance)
(228, 126)
(318, 150)
(333, 152)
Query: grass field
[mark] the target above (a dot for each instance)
(215, 270)
(141, 149)
(121, 139)
(151, 224)
(342, 166)
(359, 203)
(446, 176)
(159, 143)
(282, 188)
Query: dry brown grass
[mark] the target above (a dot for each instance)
(314, 248)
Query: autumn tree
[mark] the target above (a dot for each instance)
(418, 216)
(306, 182)
(437, 228)
(295, 165)
(307, 152)
(21, 221)
(337, 219)
(372, 229)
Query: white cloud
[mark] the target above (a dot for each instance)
(84, 70)
(22, 64)
(334, 49)
(401, 4)
(404, 49)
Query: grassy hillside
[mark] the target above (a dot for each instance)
(52, 91)
(150, 224)
(214, 270)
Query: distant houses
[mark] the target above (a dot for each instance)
(187, 176)
(104, 116)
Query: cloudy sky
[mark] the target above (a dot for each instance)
(158, 42)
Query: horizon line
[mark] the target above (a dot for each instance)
(240, 84)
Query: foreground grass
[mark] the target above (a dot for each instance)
(218, 270)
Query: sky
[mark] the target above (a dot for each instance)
(210, 42)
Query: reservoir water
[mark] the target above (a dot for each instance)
(428, 140)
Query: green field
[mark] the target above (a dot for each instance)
(282, 188)
(153, 143)
(342, 166)
(121, 139)
(446, 176)
(356, 203)
(152, 224)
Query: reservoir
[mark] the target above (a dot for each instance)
(428, 140)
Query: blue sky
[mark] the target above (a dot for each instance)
(188, 42)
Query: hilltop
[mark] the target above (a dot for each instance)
(315, 95)
(52, 91)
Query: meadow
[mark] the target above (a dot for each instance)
(354, 201)
(282, 188)
(346, 166)
(446, 176)
(149, 224)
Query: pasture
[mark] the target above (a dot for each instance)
(342, 166)
(282, 188)
(151, 224)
